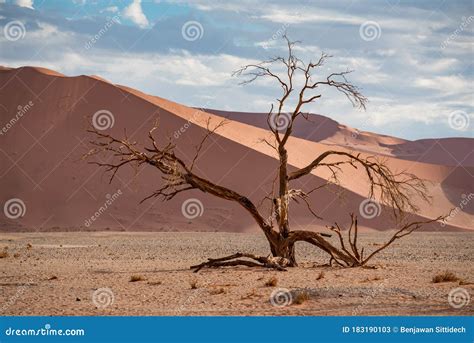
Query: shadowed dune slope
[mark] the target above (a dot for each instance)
(41, 163)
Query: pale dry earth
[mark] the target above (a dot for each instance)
(48, 273)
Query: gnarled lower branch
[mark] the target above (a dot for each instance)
(278, 263)
(356, 256)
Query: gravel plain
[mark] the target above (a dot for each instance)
(91, 273)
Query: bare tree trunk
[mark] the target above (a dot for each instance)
(282, 248)
(395, 190)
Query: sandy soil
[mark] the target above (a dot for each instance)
(58, 273)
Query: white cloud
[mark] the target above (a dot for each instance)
(447, 84)
(24, 3)
(134, 12)
(111, 9)
(45, 34)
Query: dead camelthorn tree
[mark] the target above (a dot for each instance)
(299, 86)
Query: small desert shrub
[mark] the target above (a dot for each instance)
(300, 297)
(193, 284)
(321, 275)
(135, 278)
(4, 254)
(272, 282)
(29, 246)
(446, 276)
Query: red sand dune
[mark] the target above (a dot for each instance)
(442, 151)
(40, 161)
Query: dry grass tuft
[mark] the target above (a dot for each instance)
(272, 282)
(193, 284)
(446, 276)
(301, 297)
(217, 291)
(154, 283)
(136, 278)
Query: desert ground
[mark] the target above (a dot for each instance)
(91, 273)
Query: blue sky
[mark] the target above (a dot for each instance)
(413, 60)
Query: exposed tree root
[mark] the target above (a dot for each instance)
(278, 263)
